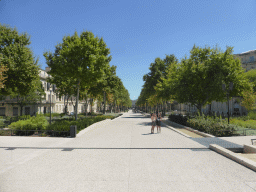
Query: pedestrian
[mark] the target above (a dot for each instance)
(158, 122)
(153, 118)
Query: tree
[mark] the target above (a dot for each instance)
(249, 96)
(251, 76)
(30, 98)
(3, 77)
(198, 80)
(18, 58)
(82, 59)
(249, 100)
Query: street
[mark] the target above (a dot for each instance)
(118, 155)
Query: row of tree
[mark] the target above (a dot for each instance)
(198, 79)
(79, 67)
(18, 68)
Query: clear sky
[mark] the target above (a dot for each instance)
(136, 31)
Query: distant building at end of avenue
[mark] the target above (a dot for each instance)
(10, 107)
(248, 61)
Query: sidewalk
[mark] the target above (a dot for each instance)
(120, 155)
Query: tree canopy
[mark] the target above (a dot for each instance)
(80, 59)
(15, 55)
(196, 79)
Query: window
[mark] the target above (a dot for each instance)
(27, 110)
(15, 111)
(2, 111)
(48, 86)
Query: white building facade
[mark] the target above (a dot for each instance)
(9, 107)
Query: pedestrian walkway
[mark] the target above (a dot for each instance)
(120, 155)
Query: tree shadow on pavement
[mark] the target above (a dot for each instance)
(145, 123)
(134, 117)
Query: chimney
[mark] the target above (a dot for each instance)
(47, 69)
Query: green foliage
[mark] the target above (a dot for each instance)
(78, 63)
(16, 55)
(244, 123)
(252, 115)
(62, 115)
(53, 114)
(2, 125)
(212, 125)
(64, 125)
(251, 76)
(196, 79)
(32, 123)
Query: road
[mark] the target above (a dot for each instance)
(118, 155)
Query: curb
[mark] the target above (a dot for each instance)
(195, 131)
(169, 127)
(249, 149)
(231, 155)
(117, 117)
(90, 127)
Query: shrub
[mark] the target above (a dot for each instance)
(62, 114)
(213, 125)
(53, 114)
(180, 119)
(246, 124)
(252, 115)
(217, 126)
(34, 123)
(2, 125)
(23, 117)
(64, 125)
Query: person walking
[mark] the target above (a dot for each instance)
(153, 118)
(158, 122)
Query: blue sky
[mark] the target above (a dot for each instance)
(136, 31)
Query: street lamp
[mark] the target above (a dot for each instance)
(50, 104)
(228, 92)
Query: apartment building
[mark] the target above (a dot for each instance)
(248, 61)
(53, 102)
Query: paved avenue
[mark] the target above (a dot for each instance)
(119, 155)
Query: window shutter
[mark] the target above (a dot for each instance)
(48, 86)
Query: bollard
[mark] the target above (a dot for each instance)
(73, 131)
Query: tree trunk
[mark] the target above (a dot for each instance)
(77, 97)
(104, 100)
(91, 101)
(199, 108)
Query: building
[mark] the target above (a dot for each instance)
(248, 62)
(9, 107)
(247, 59)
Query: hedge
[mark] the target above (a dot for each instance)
(212, 125)
(40, 123)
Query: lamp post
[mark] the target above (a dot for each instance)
(50, 105)
(228, 92)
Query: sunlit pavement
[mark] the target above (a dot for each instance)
(119, 155)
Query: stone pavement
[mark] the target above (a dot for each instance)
(121, 155)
